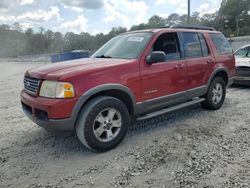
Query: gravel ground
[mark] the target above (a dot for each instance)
(192, 147)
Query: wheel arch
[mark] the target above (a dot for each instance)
(221, 72)
(118, 91)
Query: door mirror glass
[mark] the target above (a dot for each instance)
(155, 57)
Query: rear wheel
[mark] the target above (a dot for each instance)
(103, 123)
(216, 94)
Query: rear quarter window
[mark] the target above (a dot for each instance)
(204, 47)
(221, 43)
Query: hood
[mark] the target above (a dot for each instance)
(242, 61)
(57, 70)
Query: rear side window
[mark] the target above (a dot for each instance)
(192, 46)
(221, 43)
(204, 47)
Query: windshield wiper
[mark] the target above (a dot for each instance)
(103, 56)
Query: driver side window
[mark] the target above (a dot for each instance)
(169, 44)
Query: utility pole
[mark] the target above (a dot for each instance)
(237, 26)
(188, 11)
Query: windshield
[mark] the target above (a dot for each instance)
(243, 52)
(126, 46)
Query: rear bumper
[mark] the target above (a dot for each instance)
(51, 114)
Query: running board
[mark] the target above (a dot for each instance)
(170, 109)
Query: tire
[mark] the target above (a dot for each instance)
(216, 94)
(103, 123)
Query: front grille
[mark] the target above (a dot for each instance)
(243, 71)
(31, 84)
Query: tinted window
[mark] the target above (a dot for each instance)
(221, 43)
(204, 47)
(192, 47)
(169, 44)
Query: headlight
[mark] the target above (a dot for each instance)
(54, 89)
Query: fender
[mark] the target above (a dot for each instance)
(220, 69)
(105, 87)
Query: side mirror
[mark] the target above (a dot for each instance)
(155, 57)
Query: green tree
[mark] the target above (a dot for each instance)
(233, 14)
(173, 19)
(156, 22)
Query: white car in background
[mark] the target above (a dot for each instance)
(242, 58)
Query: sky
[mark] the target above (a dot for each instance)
(93, 16)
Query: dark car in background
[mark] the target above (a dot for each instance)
(242, 57)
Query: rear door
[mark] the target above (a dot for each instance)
(198, 58)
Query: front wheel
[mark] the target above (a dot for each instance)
(103, 123)
(216, 94)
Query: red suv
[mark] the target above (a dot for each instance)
(138, 75)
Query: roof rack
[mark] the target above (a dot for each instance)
(192, 27)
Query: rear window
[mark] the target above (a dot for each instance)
(221, 43)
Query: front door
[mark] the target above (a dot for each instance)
(164, 83)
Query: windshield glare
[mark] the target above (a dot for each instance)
(126, 46)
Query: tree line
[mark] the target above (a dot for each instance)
(233, 19)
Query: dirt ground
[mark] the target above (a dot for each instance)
(192, 147)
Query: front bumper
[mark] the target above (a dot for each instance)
(242, 76)
(53, 125)
(51, 114)
(240, 80)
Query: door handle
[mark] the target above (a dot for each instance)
(179, 66)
